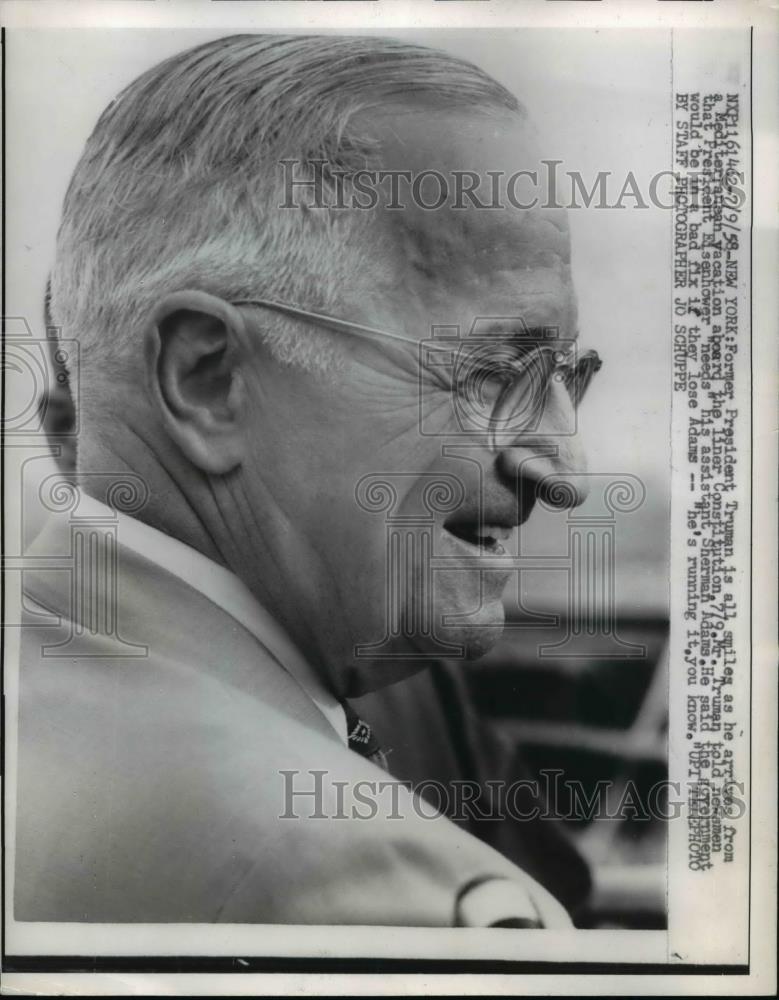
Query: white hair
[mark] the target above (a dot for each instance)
(178, 186)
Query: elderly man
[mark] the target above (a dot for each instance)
(255, 349)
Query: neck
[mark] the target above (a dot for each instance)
(168, 506)
(215, 516)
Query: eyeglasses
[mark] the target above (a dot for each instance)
(500, 384)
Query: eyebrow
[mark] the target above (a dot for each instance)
(507, 325)
(530, 336)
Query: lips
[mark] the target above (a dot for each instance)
(484, 538)
(480, 528)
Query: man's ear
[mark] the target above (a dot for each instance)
(196, 358)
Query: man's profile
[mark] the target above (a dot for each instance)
(263, 373)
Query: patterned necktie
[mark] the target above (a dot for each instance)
(361, 737)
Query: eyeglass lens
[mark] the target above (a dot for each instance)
(520, 404)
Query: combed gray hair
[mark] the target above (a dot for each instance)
(179, 187)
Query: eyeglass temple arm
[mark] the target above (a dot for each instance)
(339, 325)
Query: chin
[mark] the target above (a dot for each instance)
(461, 641)
(479, 633)
(469, 611)
(469, 618)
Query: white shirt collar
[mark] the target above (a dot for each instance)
(224, 589)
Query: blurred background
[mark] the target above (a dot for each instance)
(566, 687)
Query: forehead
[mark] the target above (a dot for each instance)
(478, 261)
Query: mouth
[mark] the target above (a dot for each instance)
(483, 538)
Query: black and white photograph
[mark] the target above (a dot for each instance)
(379, 412)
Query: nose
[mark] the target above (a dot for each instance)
(548, 464)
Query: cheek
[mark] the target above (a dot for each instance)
(354, 548)
(373, 522)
